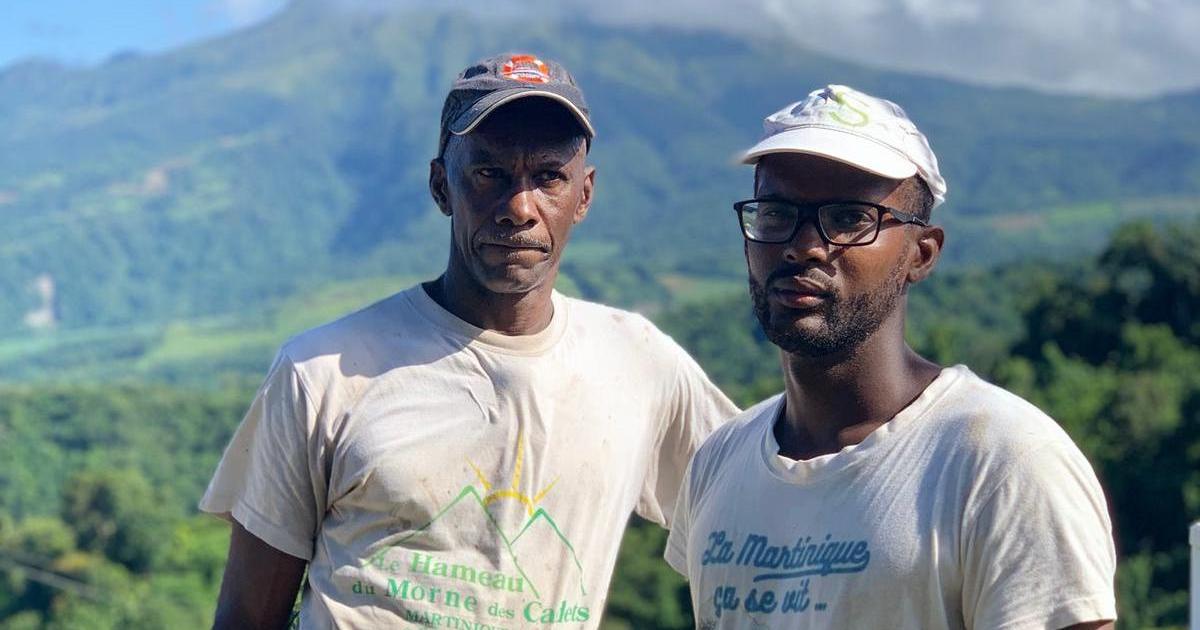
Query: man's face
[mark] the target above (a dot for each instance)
(814, 299)
(513, 187)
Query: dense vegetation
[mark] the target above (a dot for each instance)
(97, 493)
(97, 525)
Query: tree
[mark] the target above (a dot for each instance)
(117, 514)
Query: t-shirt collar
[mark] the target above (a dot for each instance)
(824, 466)
(536, 343)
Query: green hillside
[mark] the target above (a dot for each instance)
(229, 176)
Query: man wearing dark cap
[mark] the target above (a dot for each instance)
(879, 490)
(465, 453)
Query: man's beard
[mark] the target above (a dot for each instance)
(846, 325)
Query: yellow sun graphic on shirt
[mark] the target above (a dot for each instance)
(513, 490)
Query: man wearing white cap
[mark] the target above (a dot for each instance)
(879, 490)
(465, 453)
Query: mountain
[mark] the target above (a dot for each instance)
(224, 179)
(547, 529)
(485, 524)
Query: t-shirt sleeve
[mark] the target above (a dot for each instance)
(1039, 553)
(267, 479)
(681, 526)
(695, 407)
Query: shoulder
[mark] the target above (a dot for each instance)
(991, 421)
(732, 442)
(997, 439)
(609, 317)
(741, 429)
(325, 355)
(618, 328)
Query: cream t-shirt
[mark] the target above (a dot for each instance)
(437, 474)
(969, 509)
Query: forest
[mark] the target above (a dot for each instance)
(98, 526)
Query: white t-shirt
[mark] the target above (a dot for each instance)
(969, 509)
(437, 474)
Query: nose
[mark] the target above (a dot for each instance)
(806, 245)
(520, 208)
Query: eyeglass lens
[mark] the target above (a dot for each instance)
(842, 223)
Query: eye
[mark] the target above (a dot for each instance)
(775, 211)
(549, 176)
(848, 217)
(489, 172)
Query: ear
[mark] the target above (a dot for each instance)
(589, 185)
(437, 185)
(925, 253)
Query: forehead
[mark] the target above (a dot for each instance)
(525, 127)
(803, 177)
(513, 141)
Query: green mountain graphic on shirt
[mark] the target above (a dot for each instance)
(538, 521)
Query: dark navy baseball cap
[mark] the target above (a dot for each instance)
(491, 83)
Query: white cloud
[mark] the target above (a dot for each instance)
(246, 12)
(1108, 47)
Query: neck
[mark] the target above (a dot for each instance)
(837, 400)
(507, 313)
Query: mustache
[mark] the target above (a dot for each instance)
(516, 239)
(798, 271)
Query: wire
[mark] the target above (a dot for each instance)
(49, 578)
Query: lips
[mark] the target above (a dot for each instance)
(798, 293)
(512, 252)
(515, 244)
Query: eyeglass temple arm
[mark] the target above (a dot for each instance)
(907, 217)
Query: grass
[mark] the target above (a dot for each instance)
(202, 349)
(213, 345)
(685, 289)
(1053, 233)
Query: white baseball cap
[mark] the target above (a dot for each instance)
(843, 124)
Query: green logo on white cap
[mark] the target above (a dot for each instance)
(840, 98)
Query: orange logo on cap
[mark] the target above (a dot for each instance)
(527, 69)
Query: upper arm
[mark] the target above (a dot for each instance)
(1038, 551)
(675, 552)
(271, 478)
(260, 583)
(270, 484)
(691, 409)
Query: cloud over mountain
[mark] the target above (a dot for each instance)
(245, 12)
(1117, 47)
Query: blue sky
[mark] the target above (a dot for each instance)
(1123, 48)
(87, 31)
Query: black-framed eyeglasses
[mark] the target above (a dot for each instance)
(845, 223)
